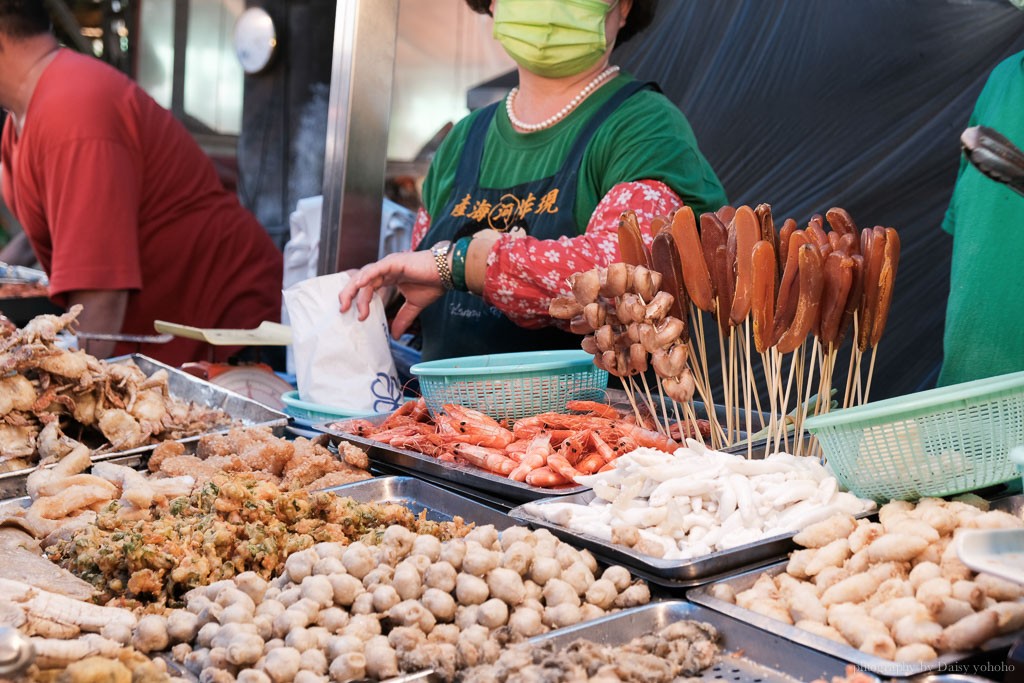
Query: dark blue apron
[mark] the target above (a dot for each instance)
(463, 324)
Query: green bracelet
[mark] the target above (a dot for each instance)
(459, 252)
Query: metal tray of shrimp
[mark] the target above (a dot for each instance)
(181, 385)
(439, 504)
(457, 473)
(705, 595)
(677, 573)
(745, 653)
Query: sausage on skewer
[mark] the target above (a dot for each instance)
(873, 259)
(762, 298)
(841, 221)
(809, 301)
(789, 289)
(747, 231)
(696, 277)
(838, 280)
(631, 241)
(886, 279)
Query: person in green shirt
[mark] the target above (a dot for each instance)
(525, 192)
(984, 334)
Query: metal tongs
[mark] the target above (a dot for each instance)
(995, 156)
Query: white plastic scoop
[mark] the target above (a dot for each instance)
(267, 334)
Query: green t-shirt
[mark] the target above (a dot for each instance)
(646, 138)
(984, 333)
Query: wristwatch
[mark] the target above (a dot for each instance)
(444, 269)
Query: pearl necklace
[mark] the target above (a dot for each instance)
(561, 113)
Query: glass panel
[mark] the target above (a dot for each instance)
(213, 76)
(156, 49)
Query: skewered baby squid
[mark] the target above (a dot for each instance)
(630, 321)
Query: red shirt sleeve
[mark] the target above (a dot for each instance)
(524, 274)
(93, 216)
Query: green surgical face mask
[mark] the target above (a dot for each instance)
(552, 38)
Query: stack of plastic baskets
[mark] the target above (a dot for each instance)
(512, 385)
(938, 442)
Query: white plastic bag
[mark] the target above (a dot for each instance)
(339, 361)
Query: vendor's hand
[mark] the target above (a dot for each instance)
(412, 272)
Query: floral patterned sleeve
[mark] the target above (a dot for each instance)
(420, 227)
(524, 274)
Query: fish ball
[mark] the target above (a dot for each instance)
(381, 659)
(282, 663)
(407, 638)
(300, 565)
(314, 661)
(507, 585)
(635, 595)
(326, 566)
(339, 645)
(465, 616)
(486, 536)
(301, 639)
(493, 613)
(579, 577)
(567, 556)
(916, 628)
(518, 557)
(544, 569)
(440, 603)
(427, 546)
(407, 581)
(398, 537)
(346, 588)
(864, 535)
(329, 549)
(453, 552)
(471, 590)
(253, 585)
(833, 554)
(318, 589)
(999, 588)
(559, 592)
(602, 593)
(444, 633)
(358, 560)
(440, 575)
(517, 534)
(479, 560)
(619, 576)
(923, 571)
(589, 612)
(151, 634)
(532, 591)
(560, 616)
(526, 622)
(347, 667)
(412, 613)
(333, 619)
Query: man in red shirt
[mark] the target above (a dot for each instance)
(123, 209)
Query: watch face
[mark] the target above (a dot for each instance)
(255, 39)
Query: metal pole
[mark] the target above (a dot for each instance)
(365, 33)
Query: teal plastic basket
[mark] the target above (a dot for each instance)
(512, 385)
(314, 412)
(938, 442)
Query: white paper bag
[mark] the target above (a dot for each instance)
(339, 361)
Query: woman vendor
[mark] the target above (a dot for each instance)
(529, 190)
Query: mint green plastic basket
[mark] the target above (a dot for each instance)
(512, 385)
(938, 442)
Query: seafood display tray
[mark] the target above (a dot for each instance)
(440, 505)
(863, 661)
(668, 573)
(456, 474)
(185, 387)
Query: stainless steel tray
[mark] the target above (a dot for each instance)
(670, 573)
(439, 504)
(183, 386)
(747, 654)
(459, 474)
(863, 661)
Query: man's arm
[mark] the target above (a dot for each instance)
(102, 312)
(18, 252)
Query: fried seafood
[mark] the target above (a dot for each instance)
(256, 452)
(896, 588)
(684, 648)
(109, 406)
(230, 525)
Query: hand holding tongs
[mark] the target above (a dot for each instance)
(995, 156)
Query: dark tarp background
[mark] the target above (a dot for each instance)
(811, 104)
